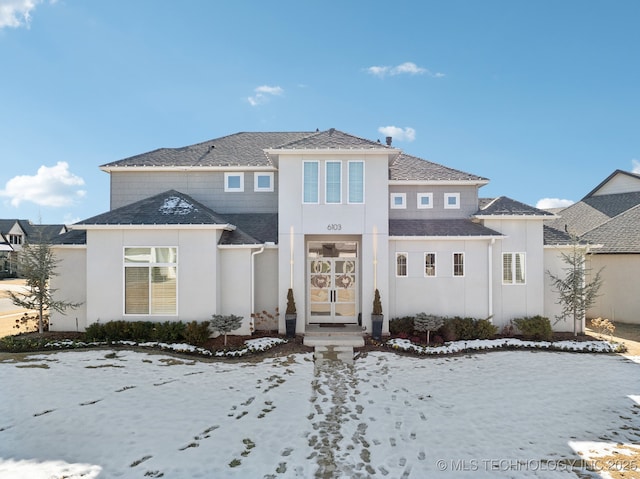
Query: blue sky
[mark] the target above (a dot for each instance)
(541, 97)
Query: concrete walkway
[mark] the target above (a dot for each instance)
(333, 343)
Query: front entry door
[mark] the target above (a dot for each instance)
(332, 270)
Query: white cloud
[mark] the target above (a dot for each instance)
(17, 13)
(636, 166)
(397, 133)
(406, 68)
(263, 93)
(548, 203)
(52, 186)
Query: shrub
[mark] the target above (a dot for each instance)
(404, 325)
(535, 327)
(470, 328)
(425, 323)
(448, 330)
(95, 332)
(169, 331)
(196, 333)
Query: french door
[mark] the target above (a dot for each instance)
(332, 270)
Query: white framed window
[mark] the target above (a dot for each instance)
(451, 201)
(401, 264)
(458, 264)
(333, 182)
(513, 268)
(425, 200)
(356, 182)
(398, 201)
(310, 182)
(429, 265)
(262, 181)
(15, 239)
(234, 182)
(150, 280)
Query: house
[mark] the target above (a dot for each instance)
(227, 226)
(609, 216)
(14, 234)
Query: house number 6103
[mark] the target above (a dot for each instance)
(334, 227)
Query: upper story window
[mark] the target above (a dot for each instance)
(356, 182)
(425, 200)
(398, 201)
(310, 182)
(262, 181)
(333, 182)
(429, 264)
(15, 239)
(150, 275)
(234, 182)
(513, 268)
(401, 264)
(458, 264)
(452, 201)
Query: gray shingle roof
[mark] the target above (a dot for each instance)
(73, 237)
(552, 236)
(251, 228)
(410, 168)
(239, 149)
(503, 206)
(452, 227)
(620, 234)
(332, 139)
(168, 208)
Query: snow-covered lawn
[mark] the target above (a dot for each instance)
(126, 414)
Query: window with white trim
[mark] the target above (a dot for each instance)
(333, 182)
(425, 200)
(429, 264)
(401, 264)
(233, 182)
(310, 182)
(458, 264)
(513, 268)
(451, 201)
(398, 201)
(15, 239)
(150, 275)
(356, 181)
(262, 181)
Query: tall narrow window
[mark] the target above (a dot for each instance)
(310, 182)
(429, 264)
(356, 182)
(401, 264)
(458, 264)
(333, 182)
(150, 276)
(513, 268)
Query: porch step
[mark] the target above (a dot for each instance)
(349, 335)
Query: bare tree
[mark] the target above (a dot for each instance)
(37, 265)
(575, 294)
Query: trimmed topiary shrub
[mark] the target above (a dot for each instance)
(537, 328)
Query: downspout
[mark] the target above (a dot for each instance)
(490, 261)
(253, 282)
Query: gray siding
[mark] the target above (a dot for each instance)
(468, 202)
(205, 187)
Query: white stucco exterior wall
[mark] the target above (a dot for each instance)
(619, 299)
(71, 285)
(198, 288)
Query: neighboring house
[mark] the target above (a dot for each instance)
(14, 234)
(227, 226)
(609, 217)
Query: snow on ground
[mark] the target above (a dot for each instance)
(126, 414)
